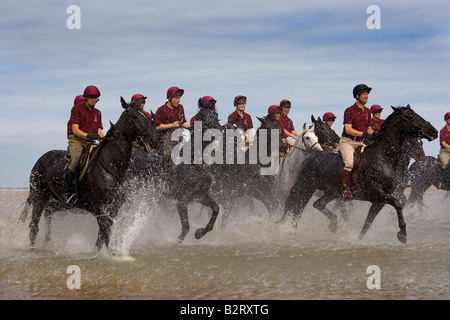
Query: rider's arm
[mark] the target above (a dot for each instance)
(349, 130)
(77, 131)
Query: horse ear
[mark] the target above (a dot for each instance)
(153, 115)
(394, 108)
(124, 103)
(312, 127)
(304, 126)
(408, 106)
(319, 119)
(260, 119)
(313, 119)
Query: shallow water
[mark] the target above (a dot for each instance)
(250, 258)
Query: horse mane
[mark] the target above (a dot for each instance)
(387, 122)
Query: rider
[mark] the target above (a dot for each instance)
(274, 114)
(140, 99)
(356, 130)
(444, 139)
(329, 118)
(285, 123)
(169, 117)
(376, 123)
(86, 127)
(245, 120)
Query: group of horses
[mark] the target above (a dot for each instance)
(302, 171)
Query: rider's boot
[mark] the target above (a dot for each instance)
(346, 176)
(67, 190)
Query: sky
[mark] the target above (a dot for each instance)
(311, 53)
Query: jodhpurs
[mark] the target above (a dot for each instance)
(347, 148)
(76, 146)
(444, 155)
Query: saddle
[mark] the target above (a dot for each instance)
(86, 157)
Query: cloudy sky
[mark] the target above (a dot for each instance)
(312, 53)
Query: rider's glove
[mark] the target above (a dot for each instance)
(92, 136)
(367, 136)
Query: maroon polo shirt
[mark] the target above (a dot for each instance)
(444, 135)
(245, 122)
(165, 115)
(285, 123)
(376, 124)
(149, 116)
(193, 120)
(359, 119)
(89, 121)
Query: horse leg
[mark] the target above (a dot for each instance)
(48, 222)
(209, 202)
(104, 231)
(226, 210)
(320, 204)
(183, 212)
(296, 203)
(401, 235)
(34, 223)
(375, 208)
(49, 210)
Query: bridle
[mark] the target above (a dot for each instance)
(414, 123)
(304, 144)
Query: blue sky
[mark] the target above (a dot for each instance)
(310, 53)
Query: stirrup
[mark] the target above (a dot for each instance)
(71, 201)
(346, 195)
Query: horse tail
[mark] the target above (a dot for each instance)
(24, 214)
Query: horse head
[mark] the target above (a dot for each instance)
(324, 133)
(134, 125)
(309, 139)
(411, 124)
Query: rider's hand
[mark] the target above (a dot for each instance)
(367, 136)
(93, 136)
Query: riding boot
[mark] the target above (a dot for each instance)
(67, 190)
(346, 176)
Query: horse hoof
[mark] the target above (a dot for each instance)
(199, 233)
(401, 236)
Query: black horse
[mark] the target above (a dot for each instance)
(376, 180)
(183, 182)
(423, 174)
(98, 191)
(328, 138)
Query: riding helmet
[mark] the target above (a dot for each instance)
(329, 116)
(285, 103)
(137, 96)
(447, 115)
(78, 99)
(360, 88)
(91, 91)
(375, 108)
(240, 100)
(207, 102)
(174, 92)
(274, 109)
